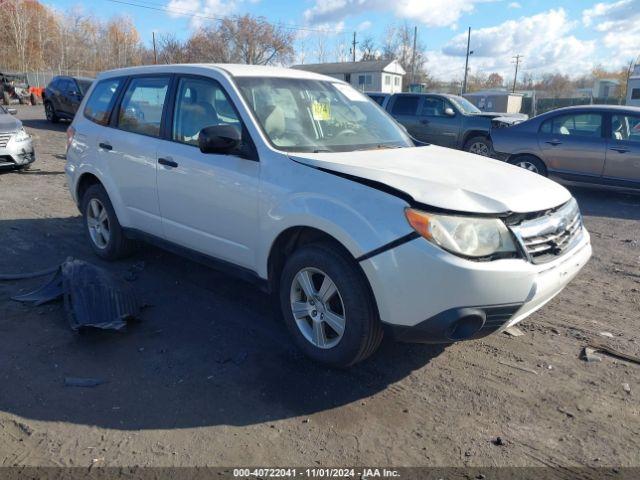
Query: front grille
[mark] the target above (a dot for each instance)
(549, 236)
(4, 139)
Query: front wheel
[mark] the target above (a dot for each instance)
(479, 145)
(328, 307)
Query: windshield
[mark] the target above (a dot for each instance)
(464, 105)
(84, 85)
(319, 116)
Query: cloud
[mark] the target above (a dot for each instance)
(545, 40)
(203, 9)
(514, 5)
(432, 13)
(366, 25)
(619, 23)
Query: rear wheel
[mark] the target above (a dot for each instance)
(50, 112)
(328, 307)
(102, 227)
(531, 163)
(479, 145)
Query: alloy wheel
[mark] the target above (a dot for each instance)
(528, 166)
(98, 223)
(48, 112)
(317, 307)
(479, 148)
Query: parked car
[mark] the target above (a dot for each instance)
(63, 96)
(592, 144)
(16, 148)
(448, 120)
(300, 183)
(379, 98)
(14, 88)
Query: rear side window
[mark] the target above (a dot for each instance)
(379, 99)
(626, 128)
(142, 104)
(101, 101)
(635, 94)
(406, 105)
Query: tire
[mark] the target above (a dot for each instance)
(531, 163)
(6, 98)
(50, 112)
(353, 301)
(107, 239)
(480, 145)
(33, 99)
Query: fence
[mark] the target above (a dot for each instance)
(546, 104)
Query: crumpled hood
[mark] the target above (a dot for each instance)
(8, 123)
(510, 118)
(445, 178)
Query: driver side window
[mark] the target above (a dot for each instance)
(200, 103)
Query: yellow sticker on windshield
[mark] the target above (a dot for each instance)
(321, 111)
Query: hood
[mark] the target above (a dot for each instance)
(445, 178)
(8, 123)
(506, 118)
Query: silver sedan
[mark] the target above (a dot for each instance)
(16, 147)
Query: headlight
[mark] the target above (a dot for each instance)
(21, 136)
(466, 236)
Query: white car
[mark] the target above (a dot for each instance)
(301, 183)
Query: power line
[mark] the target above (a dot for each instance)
(191, 13)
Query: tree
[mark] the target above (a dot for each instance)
(495, 80)
(255, 41)
(368, 50)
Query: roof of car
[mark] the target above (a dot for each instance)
(235, 70)
(86, 79)
(611, 108)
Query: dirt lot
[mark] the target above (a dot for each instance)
(209, 377)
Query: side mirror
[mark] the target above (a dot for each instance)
(449, 112)
(219, 139)
(12, 111)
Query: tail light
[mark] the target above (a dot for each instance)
(70, 134)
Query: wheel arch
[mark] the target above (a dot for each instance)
(474, 133)
(86, 180)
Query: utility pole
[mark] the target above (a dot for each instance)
(515, 77)
(466, 63)
(413, 55)
(353, 46)
(155, 52)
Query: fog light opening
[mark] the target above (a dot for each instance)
(467, 326)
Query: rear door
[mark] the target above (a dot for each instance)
(623, 150)
(436, 127)
(131, 146)
(405, 108)
(573, 145)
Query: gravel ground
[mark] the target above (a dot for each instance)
(209, 376)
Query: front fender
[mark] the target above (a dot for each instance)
(361, 218)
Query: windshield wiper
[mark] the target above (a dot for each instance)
(322, 150)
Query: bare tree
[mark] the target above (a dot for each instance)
(368, 50)
(255, 41)
(16, 19)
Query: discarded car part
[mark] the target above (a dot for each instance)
(24, 276)
(92, 297)
(601, 347)
(589, 355)
(82, 382)
(49, 292)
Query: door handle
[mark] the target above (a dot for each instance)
(105, 146)
(619, 149)
(167, 162)
(554, 142)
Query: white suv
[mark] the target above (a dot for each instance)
(303, 184)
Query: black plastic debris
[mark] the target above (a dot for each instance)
(82, 382)
(92, 297)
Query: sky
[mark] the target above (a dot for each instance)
(570, 36)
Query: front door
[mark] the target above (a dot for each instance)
(209, 202)
(573, 145)
(437, 127)
(623, 150)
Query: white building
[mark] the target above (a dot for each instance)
(371, 76)
(633, 87)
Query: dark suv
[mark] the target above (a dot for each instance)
(63, 95)
(448, 120)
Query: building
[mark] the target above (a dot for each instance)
(633, 87)
(496, 101)
(372, 76)
(606, 88)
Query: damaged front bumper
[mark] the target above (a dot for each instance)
(14, 153)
